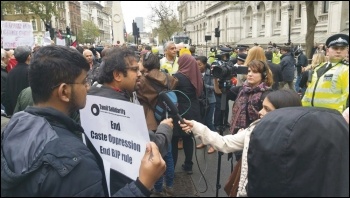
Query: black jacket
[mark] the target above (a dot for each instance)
(188, 104)
(17, 80)
(299, 152)
(42, 155)
(3, 83)
(301, 62)
(276, 73)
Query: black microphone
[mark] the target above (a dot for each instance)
(170, 105)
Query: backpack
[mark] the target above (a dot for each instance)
(161, 111)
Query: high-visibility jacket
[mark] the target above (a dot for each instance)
(211, 57)
(330, 89)
(276, 58)
(171, 67)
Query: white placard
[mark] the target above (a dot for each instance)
(60, 41)
(118, 131)
(14, 34)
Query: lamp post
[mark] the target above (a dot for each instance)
(290, 12)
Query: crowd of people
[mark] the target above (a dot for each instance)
(43, 89)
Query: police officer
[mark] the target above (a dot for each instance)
(212, 54)
(241, 49)
(329, 85)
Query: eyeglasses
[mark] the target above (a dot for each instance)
(85, 83)
(134, 68)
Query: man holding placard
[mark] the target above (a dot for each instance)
(119, 126)
(41, 151)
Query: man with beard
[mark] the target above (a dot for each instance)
(41, 153)
(119, 77)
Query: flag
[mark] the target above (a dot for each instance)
(59, 35)
(74, 44)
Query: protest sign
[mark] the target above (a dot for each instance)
(118, 131)
(14, 34)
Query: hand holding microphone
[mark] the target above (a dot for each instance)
(186, 126)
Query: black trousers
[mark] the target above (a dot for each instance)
(188, 149)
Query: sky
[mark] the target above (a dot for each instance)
(133, 9)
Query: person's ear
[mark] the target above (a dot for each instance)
(64, 92)
(118, 76)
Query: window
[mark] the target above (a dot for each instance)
(299, 11)
(325, 6)
(34, 25)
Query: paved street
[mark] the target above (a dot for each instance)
(208, 163)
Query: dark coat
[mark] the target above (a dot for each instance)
(17, 80)
(276, 73)
(292, 154)
(287, 65)
(302, 62)
(93, 73)
(3, 84)
(56, 163)
(189, 109)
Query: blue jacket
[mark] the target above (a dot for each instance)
(209, 86)
(42, 155)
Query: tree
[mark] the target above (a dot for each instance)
(311, 26)
(90, 32)
(80, 36)
(165, 17)
(44, 9)
(130, 38)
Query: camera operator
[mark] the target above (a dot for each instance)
(241, 49)
(221, 59)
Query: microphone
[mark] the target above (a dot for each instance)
(171, 107)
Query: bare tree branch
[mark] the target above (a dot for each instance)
(164, 16)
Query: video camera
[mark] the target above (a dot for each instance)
(226, 70)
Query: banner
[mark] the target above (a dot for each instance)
(14, 34)
(60, 41)
(118, 131)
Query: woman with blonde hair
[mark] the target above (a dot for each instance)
(317, 59)
(255, 53)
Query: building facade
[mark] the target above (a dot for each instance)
(249, 22)
(75, 17)
(101, 16)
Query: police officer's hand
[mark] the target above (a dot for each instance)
(152, 166)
